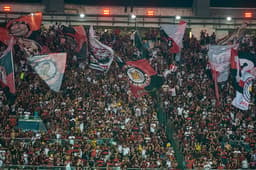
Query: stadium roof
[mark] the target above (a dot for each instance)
(154, 3)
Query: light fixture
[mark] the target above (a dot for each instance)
(178, 17)
(150, 13)
(106, 11)
(248, 14)
(229, 18)
(32, 14)
(7, 8)
(133, 16)
(82, 15)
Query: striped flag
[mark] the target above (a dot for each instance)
(101, 56)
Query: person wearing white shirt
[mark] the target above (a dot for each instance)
(120, 148)
(180, 110)
(126, 151)
(245, 164)
(143, 153)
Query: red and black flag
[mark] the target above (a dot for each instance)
(142, 77)
(79, 36)
(25, 25)
(26, 30)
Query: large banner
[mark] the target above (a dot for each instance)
(26, 30)
(175, 35)
(101, 56)
(142, 77)
(219, 59)
(25, 25)
(50, 68)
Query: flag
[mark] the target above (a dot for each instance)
(7, 80)
(233, 37)
(142, 77)
(5, 37)
(143, 52)
(50, 68)
(78, 33)
(247, 62)
(25, 25)
(173, 35)
(243, 74)
(219, 59)
(101, 56)
(243, 96)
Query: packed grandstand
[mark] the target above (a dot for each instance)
(118, 99)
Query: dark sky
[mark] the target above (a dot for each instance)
(152, 3)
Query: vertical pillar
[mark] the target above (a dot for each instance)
(54, 6)
(201, 8)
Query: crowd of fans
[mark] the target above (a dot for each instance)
(213, 137)
(96, 122)
(93, 121)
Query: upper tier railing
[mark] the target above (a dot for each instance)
(139, 21)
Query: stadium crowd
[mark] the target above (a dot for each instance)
(95, 121)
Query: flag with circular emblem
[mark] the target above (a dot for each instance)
(142, 77)
(50, 68)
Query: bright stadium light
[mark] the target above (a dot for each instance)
(82, 15)
(178, 17)
(7, 8)
(133, 16)
(229, 18)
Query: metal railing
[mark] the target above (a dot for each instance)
(139, 21)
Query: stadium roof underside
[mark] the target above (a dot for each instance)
(153, 3)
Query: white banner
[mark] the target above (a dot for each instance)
(219, 58)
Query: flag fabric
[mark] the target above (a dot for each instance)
(101, 56)
(5, 37)
(142, 53)
(247, 62)
(7, 80)
(7, 70)
(243, 96)
(233, 37)
(142, 77)
(243, 74)
(50, 68)
(80, 36)
(25, 25)
(219, 59)
(174, 36)
(216, 87)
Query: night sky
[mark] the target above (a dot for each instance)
(153, 3)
